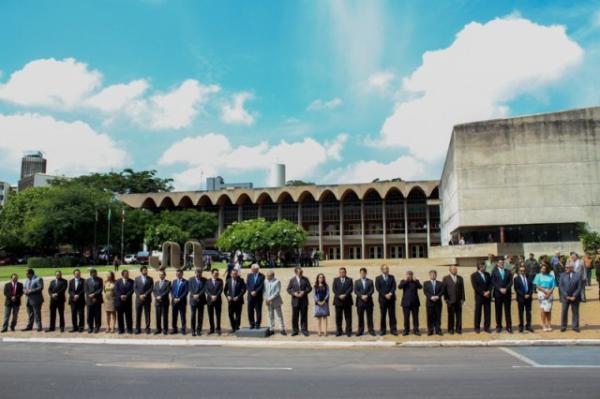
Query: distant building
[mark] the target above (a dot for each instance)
(217, 183)
(4, 191)
(33, 163)
(37, 180)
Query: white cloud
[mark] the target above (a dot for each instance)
(117, 97)
(71, 148)
(335, 147)
(474, 78)
(405, 167)
(213, 154)
(380, 81)
(234, 112)
(321, 105)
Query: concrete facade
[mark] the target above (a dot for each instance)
(531, 170)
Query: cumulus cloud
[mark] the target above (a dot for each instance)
(474, 78)
(322, 105)
(71, 148)
(219, 155)
(335, 147)
(234, 112)
(405, 167)
(380, 81)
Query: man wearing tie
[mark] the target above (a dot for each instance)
(214, 291)
(385, 284)
(162, 288)
(410, 302)
(454, 293)
(523, 284)
(33, 288)
(93, 299)
(77, 301)
(235, 288)
(272, 295)
(342, 300)
(482, 285)
(299, 287)
(123, 302)
(13, 291)
(255, 284)
(197, 301)
(570, 295)
(179, 292)
(143, 286)
(56, 291)
(364, 288)
(433, 291)
(502, 283)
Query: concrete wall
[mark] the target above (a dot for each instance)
(526, 170)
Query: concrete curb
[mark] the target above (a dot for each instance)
(255, 343)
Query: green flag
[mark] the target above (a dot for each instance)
(109, 214)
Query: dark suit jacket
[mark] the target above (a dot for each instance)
(367, 290)
(341, 289)
(520, 289)
(569, 287)
(8, 294)
(179, 290)
(123, 288)
(58, 287)
(197, 287)
(258, 287)
(93, 286)
(294, 287)
(143, 289)
(80, 291)
(499, 282)
(480, 286)
(239, 291)
(384, 288)
(454, 293)
(410, 293)
(161, 296)
(429, 292)
(214, 289)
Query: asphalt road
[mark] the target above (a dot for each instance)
(101, 371)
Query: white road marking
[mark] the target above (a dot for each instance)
(535, 364)
(522, 358)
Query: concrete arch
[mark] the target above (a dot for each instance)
(224, 199)
(167, 202)
(283, 195)
(197, 251)
(416, 191)
(372, 194)
(185, 202)
(348, 194)
(305, 195)
(263, 198)
(171, 255)
(392, 190)
(204, 200)
(325, 193)
(243, 198)
(148, 203)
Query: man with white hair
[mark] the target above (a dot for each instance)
(272, 295)
(255, 284)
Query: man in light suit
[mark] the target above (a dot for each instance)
(433, 291)
(454, 293)
(214, 301)
(255, 286)
(364, 289)
(77, 301)
(56, 292)
(93, 300)
(481, 281)
(272, 296)
(13, 291)
(197, 301)
(299, 287)
(342, 300)
(235, 288)
(385, 284)
(523, 284)
(179, 293)
(33, 288)
(143, 286)
(161, 291)
(123, 302)
(502, 282)
(570, 287)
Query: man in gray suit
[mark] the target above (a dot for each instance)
(272, 296)
(569, 288)
(143, 286)
(33, 288)
(162, 288)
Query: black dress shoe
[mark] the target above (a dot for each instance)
(199, 332)
(157, 332)
(359, 334)
(498, 330)
(211, 332)
(218, 331)
(183, 331)
(27, 329)
(576, 329)
(50, 330)
(418, 333)
(451, 332)
(305, 333)
(488, 330)
(477, 331)
(137, 332)
(193, 333)
(283, 332)
(294, 333)
(62, 329)
(395, 333)
(349, 334)
(563, 329)
(439, 333)
(97, 330)
(165, 332)
(338, 334)
(148, 331)
(73, 330)
(174, 332)
(404, 333)
(4, 330)
(121, 332)
(429, 333)
(521, 329)
(509, 330)
(90, 330)
(382, 333)
(372, 333)
(459, 332)
(530, 329)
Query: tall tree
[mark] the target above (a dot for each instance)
(126, 182)
(13, 216)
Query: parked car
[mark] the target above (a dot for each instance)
(130, 259)
(215, 256)
(142, 257)
(8, 260)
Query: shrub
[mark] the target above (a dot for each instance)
(39, 262)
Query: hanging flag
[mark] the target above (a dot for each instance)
(123, 215)
(109, 214)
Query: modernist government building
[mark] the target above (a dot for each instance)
(514, 185)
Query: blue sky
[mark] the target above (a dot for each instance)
(339, 91)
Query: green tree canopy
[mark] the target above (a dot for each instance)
(196, 224)
(13, 216)
(156, 235)
(126, 182)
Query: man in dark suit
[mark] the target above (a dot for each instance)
(299, 288)
(385, 284)
(143, 286)
(454, 293)
(13, 291)
(482, 285)
(123, 302)
(342, 300)
(502, 283)
(410, 302)
(433, 291)
(197, 301)
(179, 292)
(364, 288)
(93, 300)
(77, 301)
(569, 288)
(255, 284)
(33, 289)
(235, 288)
(162, 289)
(214, 301)
(523, 284)
(56, 292)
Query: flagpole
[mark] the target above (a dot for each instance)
(122, 234)
(108, 251)
(94, 252)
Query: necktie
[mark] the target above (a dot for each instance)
(482, 276)
(501, 271)
(76, 284)
(364, 283)
(524, 283)
(14, 289)
(233, 287)
(433, 284)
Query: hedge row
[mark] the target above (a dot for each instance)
(47, 262)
